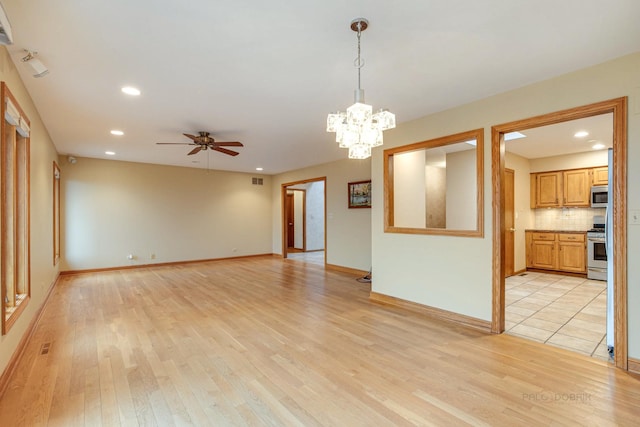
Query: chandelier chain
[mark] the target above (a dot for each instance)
(359, 62)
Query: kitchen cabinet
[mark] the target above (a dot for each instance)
(572, 252)
(569, 188)
(563, 252)
(542, 251)
(600, 176)
(577, 188)
(546, 189)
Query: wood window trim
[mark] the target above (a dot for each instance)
(618, 107)
(19, 205)
(478, 134)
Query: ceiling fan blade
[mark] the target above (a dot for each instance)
(174, 143)
(195, 150)
(228, 144)
(225, 151)
(195, 138)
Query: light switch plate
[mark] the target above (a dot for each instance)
(634, 217)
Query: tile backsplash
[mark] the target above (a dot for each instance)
(579, 219)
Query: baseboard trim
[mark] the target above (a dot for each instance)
(347, 270)
(163, 264)
(461, 319)
(633, 365)
(22, 345)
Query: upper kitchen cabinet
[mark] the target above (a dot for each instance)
(601, 176)
(577, 188)
(546, 189)
(568, 188)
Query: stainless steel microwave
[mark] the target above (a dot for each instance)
(599, 196)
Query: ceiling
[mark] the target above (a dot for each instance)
(559, 139)
(267, 73)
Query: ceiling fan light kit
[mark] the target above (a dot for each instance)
(358, 129)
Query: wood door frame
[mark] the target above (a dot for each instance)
(618, 107)
(283, 195)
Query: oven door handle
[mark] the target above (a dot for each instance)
(597, 240)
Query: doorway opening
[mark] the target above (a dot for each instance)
(618, 109)
(304, 220)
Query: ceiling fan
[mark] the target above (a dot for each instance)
(203, 142)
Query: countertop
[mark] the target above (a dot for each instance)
(557, 231)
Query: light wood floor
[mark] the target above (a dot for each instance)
(270, 342)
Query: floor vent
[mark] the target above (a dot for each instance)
(256, 181)
(522, 275)
(45, 348)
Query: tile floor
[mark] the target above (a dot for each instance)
(563, 311)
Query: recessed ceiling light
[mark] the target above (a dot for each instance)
(110, 153)
(117, 132)
(259, 169)
(581, 134)
(130, 90)
(513, 135)
(598, 146)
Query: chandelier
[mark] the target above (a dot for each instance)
(358, 129)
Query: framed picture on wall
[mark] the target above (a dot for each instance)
(360, 194)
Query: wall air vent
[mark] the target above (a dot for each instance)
(256, 181)
(5, 28)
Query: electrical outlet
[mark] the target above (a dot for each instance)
(153, 256)
(634, 217)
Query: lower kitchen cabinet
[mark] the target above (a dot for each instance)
(556, 251)
(541, 251)
(572, 255)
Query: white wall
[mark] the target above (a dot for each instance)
(315, 216)
(409, 186)
(298, 218)
(348, 230)
(588, 159)
(462, 190)
(43, 154)
(113, 208)
(454, 273)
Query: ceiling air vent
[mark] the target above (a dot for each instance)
(5, 28)
(256, 181)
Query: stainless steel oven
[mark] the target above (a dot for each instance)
(596, 255)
